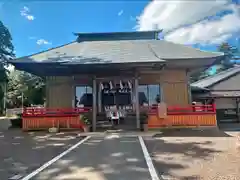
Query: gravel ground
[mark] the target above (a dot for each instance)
(193, 155)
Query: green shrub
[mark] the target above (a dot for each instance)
(85, 118)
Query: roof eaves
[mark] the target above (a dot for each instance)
(196, 88)
(29, 56)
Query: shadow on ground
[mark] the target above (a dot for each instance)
(179, 153)
(117, 159)
(22, 152)
(101, 159)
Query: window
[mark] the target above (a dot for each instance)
(149, 94)
(83, 96)
(143, 95)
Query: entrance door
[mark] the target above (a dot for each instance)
(116, 99)
(116, 94)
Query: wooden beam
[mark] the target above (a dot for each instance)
(99, 97)
(94, 105)
(136, 98)
(189, 87)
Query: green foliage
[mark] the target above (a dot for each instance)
(230, 52)
(25, 88)
(22, 88)
(85, 118)
(6, 46)
(6, 52)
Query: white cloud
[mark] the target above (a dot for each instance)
(208, 32)
(32, 37)
(185, 21)
(43, 42)
(30, 17)
(26, 9)
(25, 12)
(120, 13)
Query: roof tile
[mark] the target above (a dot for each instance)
(123, 51)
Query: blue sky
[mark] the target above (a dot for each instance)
(36, 26)
(56, 21)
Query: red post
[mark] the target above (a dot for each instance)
(214, 108)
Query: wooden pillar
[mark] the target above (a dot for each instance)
(136, 101)
(94, 105)
(47, 92)
(99, 97)
(237, 110)
(73, 93)
(189, 88)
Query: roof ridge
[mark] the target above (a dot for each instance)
(106, 36)
(116, 32)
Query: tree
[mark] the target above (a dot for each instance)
(25, 89)
(230, 53)
(6, 52)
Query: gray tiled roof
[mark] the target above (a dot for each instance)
(117, 51)
(211, 80)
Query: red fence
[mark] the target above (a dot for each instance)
(187, 110)
(192, 109)
(171, 110)
(40, 112)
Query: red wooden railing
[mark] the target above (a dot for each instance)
(185, 110)
(192, 109)
(39, 111)
(171, 110)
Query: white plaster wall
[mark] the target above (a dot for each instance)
(224, 103)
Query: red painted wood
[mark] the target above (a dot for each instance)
(187, 110)
(52, 112)
(45, 122)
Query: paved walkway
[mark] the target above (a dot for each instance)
(23, 152)
(99, 158)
